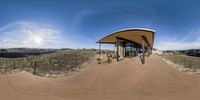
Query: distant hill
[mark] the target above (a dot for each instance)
(7, 50)
(189, 52)
(23, 52)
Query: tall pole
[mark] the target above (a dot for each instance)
(143, 51)
(117, 44)
(99, 48)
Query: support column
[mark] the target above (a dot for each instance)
(117, 44)
(143, 52)
(100, 48)
(149, 51)
(124, 46)
(137, 50)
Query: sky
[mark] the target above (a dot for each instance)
(80, 23)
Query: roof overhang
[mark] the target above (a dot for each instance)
(136, 35)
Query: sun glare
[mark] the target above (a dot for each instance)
(38, 39)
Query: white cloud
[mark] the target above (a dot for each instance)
(191, 40)
(29, 34)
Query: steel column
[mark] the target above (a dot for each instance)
(143, 52)
(117, 44)
(100, 48)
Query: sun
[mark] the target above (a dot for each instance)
(38, 40)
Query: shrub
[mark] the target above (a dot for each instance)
(99, 60)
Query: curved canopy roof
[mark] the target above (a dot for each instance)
(135, 35)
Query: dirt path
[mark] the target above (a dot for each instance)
(124, 80)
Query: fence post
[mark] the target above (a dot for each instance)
(14, 65)
(35, 64)
(6, 62)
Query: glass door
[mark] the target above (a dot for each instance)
(129, 50)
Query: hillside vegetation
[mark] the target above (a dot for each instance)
(59, 62)
(182, 59)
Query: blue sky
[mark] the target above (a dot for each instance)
(80, 23)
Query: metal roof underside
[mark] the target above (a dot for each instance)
(135, 35)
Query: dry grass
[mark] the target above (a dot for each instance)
(59, 62)
(186, 61)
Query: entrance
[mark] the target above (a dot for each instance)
(130, 50)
